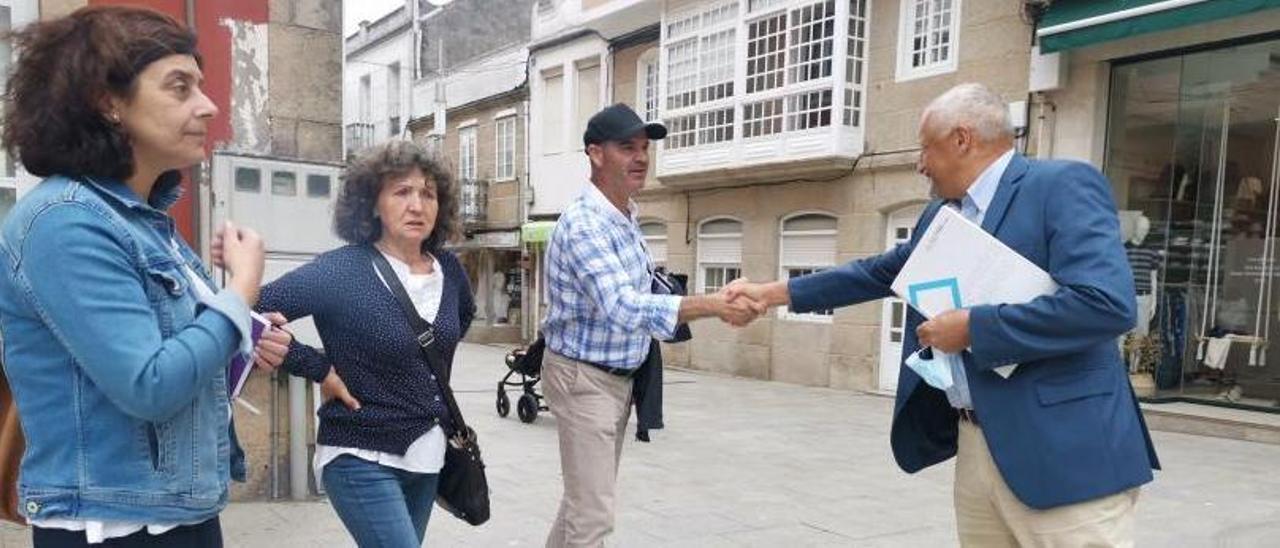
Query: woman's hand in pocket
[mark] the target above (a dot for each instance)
(333, 387)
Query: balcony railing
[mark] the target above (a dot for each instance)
(474, 196)
(359, 137)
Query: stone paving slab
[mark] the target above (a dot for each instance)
(753, 463)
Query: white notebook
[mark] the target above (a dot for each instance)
(956, 264)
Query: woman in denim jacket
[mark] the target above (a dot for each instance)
(116, 343)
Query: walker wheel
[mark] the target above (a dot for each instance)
(527, 408)
(504, 403)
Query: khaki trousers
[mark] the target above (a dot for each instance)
(591, 408)
(989, 514)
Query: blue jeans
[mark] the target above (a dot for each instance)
(381, 506)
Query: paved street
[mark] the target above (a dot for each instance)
(752, 463)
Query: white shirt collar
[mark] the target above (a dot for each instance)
(983, 190)
(595, 197)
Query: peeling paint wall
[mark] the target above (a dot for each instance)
(250, 129)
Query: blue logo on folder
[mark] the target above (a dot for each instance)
(914, 291)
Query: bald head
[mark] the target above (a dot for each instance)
(972, 106)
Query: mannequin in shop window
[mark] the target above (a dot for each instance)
(1145, 263)
(501, 300)
(1249, 195)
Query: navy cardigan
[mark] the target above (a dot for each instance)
(369, 342)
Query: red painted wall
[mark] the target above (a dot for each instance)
(214, 41)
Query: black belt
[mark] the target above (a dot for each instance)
(967, 415)
(616, 371)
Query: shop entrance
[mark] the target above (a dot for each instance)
(1192, 154)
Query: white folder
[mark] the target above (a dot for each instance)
(957, 264)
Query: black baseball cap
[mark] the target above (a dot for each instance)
(619, 123)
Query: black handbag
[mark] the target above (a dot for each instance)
(462, 487)
(665, 283)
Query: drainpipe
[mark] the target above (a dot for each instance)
(197, 171)
(297, 438)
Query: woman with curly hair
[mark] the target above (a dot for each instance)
(116, 341)
(381, 443)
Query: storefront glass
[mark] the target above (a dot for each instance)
(1191, 152)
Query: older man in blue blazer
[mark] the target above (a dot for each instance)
(1054, 454)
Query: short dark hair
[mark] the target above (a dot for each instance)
(354, 218)
(66, 69)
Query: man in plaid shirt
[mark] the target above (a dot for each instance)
(600, 319)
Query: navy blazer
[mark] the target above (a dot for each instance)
(1065, 427)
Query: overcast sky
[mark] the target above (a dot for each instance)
(365, 10)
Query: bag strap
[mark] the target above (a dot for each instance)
(423, 332)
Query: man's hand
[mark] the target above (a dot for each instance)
(743, 288)
(274, 344)
(739, 311)
(947, 332)
(333, 387)
(767, 294)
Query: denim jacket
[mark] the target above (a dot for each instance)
(119, 374)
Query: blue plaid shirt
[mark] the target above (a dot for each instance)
(599, 277)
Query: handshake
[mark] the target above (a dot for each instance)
(742, 301)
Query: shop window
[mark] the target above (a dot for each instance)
(1192, 157)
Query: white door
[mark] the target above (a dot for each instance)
(894, 315)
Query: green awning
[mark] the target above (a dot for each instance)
(536, 232)
(1077, 23)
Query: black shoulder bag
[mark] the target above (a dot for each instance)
(462, 490)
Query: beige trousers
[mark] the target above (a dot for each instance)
(988, 514)
(591, 408)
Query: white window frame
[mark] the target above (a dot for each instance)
(364, 100)
(906, 34)
(394, 75)
(703, 263)
(684, 107)
(504, 131)
(553, 132)
(854, 106)
(648, 82)
(652, 239)
(683, 87)
(784, 267)
(589, 87)
(467, 151)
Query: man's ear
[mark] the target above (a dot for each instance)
(964, 139)
(596, 153)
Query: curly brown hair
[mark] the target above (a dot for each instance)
(67, 68)
(354, 217)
